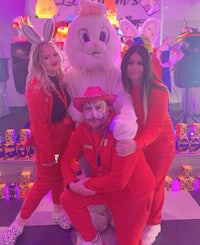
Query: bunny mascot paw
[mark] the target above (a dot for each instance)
(124, 125)
(92, 49)
(100, 216)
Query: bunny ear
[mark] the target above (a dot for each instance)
(48, 29)
(31, 35)
(128, 29)
(150, 29)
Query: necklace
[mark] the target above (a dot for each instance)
(62, 96)
(103, 141)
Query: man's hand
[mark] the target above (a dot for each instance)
(125, 147)
(79, 188)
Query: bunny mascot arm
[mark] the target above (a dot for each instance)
(92, 48)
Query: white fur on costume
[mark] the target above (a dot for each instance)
(92, 48)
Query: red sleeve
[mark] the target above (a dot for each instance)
(157, 68)
(157, 110)
(39, 112)
(120, 174)
(73, 150)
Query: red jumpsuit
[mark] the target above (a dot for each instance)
(48, 139)
(156, 138)
(124, 184)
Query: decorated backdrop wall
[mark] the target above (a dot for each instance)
(166, 10)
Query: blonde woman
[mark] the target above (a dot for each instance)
(51, 128)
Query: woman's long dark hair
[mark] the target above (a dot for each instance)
(149, 79)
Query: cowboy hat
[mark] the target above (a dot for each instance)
(92, 94)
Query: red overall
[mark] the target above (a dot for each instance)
(124, 184)
(156, 138)
(48, 139)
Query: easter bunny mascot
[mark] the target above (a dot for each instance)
(92, 49)
(162, 57)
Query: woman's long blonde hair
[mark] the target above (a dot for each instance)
(36, 67)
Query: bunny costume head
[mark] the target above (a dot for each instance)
(91, 41)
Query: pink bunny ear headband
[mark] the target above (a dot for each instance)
(146, 35)
(33, 37)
